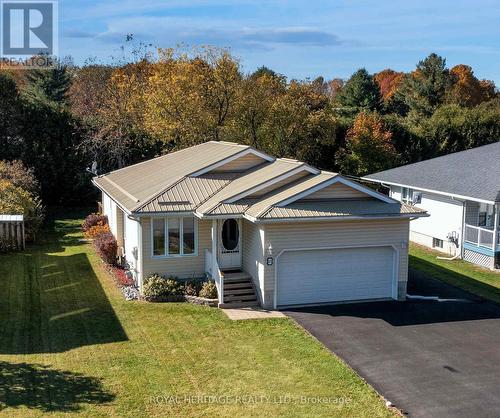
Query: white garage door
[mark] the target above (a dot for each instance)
(334, 275)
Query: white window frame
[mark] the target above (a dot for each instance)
(485, 208)
(436, 240)
(409, 198)
(181, 235)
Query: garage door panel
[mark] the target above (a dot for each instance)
(330, 275)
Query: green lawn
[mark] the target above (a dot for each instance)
(458, 273)
(70, 344)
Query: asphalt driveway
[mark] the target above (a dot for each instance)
(429, 358)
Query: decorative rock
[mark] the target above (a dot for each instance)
(130, 293)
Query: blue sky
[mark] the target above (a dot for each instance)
(297, 38)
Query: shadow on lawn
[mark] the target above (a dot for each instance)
(36, 386)
(421, 269)
(53, 301)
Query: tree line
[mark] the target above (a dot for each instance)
(58, 121)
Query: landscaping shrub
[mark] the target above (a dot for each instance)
(156, 286)
(5, 246)
(14, 200)
(96, 230)
(92, 220)
(106, 247)
(209, 290)
(122, 278)
(192, 288)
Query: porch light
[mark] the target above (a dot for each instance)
(270, 249)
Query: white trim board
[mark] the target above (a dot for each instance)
(416, 188)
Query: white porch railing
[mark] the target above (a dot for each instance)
(212, 269)
(482, 237)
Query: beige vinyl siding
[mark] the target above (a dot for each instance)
(253, 254)
(279, 184)
(335, 234)
(189, 266)
(240, 164)
(336, 191)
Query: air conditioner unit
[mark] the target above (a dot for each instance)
(417, 198)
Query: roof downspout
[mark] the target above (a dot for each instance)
(462, 238)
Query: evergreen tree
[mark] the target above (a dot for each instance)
(360, 92)
(425, 89)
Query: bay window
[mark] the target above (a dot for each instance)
(174, 236)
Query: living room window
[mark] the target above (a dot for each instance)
(174, 237)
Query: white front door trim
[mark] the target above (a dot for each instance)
(229, 259)
(336, 247)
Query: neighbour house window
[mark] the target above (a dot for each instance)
(486, 216)
(407, 195)
(437, 243)
(174, 236)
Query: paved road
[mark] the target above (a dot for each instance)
(431, 359)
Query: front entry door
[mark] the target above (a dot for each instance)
(230, 244)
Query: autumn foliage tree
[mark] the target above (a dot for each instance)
(466, 89)
(369, 146)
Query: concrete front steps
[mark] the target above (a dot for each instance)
(239, 291)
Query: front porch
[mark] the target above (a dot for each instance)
(225, 265)
(482, 234)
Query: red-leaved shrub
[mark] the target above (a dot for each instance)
(121, 277)
(92, 220)
(106, 247)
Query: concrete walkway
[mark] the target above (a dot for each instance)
(251, 313)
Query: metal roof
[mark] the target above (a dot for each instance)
(340, 208)
(133, 186)
(474, 174)
(188, 193)
(176, 183)
(250, 180)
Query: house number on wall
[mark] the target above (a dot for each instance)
(270, 261)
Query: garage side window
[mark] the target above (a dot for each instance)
(174, 237)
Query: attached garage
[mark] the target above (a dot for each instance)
(313, 276)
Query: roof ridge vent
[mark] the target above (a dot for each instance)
(232, 143)
(291, 160)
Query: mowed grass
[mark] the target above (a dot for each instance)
(459, 273)
(70, 344)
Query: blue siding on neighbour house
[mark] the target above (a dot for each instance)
(480, 250)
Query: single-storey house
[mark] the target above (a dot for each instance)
(461, 193)
(272, 231)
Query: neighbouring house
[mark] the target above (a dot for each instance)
(272, 231)
(461, 193)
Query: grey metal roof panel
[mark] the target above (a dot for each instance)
(251, 179)
(474, 173)
(131, 186)
(282, 194)
(237, 208)
(188, 193)
(340, 208)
